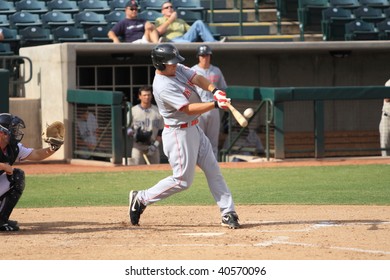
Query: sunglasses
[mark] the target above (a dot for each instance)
(167, 7)
(133, 9)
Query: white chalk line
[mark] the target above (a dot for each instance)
(280, 241)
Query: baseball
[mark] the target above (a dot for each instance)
(248, 113)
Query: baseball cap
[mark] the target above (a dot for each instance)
(132, 4)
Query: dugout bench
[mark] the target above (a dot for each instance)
(274, 99)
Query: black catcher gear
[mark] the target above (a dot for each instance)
(13, 126)
(9, 200)
(165, 54)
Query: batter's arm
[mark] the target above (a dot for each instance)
(198, 108)
(203, 83)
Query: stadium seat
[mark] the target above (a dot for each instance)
(151, 5)
(361, 30)
(65, 6)
(97, 6)
(54, 19)
(118, 5)
(382, 4)
(4, 22)
(113, 17)
(35, 36)
(369, 14)
(387, 12)
(7, 7)
(346, 4)
(12, 37)
(5, 49)
(87, 19)
(189, 16)
(333, 23)
(98, 34)
(31, 6)
(310, 12)
(149, 15)
(64, 34)
(384, 29)
(192, 5)
(20, 20)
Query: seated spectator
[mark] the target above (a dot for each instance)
(132, 29)
(1, 35)
(176, 30)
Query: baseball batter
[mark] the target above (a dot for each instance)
(185, 144)
(146, 126)
(210, 121)
(12, 180)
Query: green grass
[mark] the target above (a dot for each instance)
(355, 184)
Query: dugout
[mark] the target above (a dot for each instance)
(126, 67)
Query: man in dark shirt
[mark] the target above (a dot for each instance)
(133, 30)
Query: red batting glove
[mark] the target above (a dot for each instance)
(218, 94)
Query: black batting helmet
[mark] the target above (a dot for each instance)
(165, 54)
(12, 125)
(204, 50)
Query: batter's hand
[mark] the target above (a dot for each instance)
(222, 103)
(219, 94)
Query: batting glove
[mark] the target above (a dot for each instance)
(222, 103)
(153, 148)
(218, 94)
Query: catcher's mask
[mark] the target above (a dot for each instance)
(204, 50)
(12, 126)
(165, 54)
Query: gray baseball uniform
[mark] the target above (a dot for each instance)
(384, 128)
(210, 122)
(185, 144)
(148, 120)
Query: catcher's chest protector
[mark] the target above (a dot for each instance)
(10, 156)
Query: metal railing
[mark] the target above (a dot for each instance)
(17, 67)
(268, 122)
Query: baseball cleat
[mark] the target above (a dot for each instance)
(12, 223)
(9, 227)
(230, 220)
(136, 208)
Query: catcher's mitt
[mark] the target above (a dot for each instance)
(54, 135)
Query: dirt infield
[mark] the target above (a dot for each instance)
(275, 232)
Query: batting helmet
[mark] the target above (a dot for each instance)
(12, 125)
(204, 50)
(165, 54)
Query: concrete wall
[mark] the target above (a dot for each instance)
(293, 64)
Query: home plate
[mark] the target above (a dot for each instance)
(203, 234)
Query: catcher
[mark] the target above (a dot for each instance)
(12, 180)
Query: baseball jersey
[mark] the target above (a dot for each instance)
(172, 93)
(386, 107)
(130, 29)
(214, 75)
(148, 119)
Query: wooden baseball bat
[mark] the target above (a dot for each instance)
(146, 159)
(237, 115)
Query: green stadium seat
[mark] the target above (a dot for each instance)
(369, 14)
(361, 30)
(333, 23)
(35, 36)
